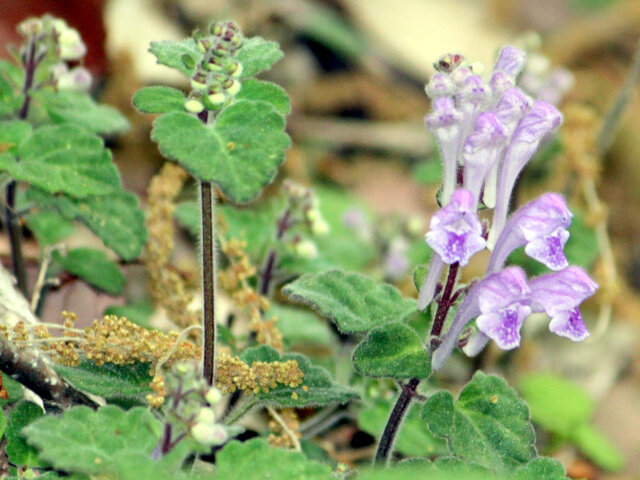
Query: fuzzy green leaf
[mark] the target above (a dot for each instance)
(159, 99)
(17, 450)
(64, 158)
(258, 55)
(317, 387)
(541, 468)
(301, 327)
(558, 405)
(488, 425)
(3, 424)
(79, 110)
(116, 383)
(94, 267)
(267, 462)
(87, 441)
(49, 226)
(598, 448)
(256, 90)
(13, 388)
(240, 153)
(170, 53)
(117, 218)
(354, 302)
(12, 133)
(392, 350)
(413, 439)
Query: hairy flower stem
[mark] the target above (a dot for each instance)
(410, 389)
(208, 280)
(271, 262)
(12, 221)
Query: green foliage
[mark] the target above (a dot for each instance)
(94, 442)
(13, 388)
(354, 302)
(258, 55)
(78, 108)
(541, 469)
(139, 312)
(240, 153)
(266, 462)
(64, 158)
(170, 53)
(122, 384)
(19, 453)
(49, 226)
(159, 99)
(94, 267)
(429, 172)
(488, 425)
(13, 132)
(320, 388)
(301, 327)
(413, 440)
(258, 90)
(597, 447)
(392, 350)
(117, 218)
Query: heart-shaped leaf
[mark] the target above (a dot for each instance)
(258, 55)
(240, 153)
(159, 99)
(170, 53)
(488, 425)
(393, 350)
(94, 267)
(253, 89)
(354, 302)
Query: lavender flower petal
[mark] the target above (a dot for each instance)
(511, 60)
(541, 120)
(541, 226)
(558, 295)
(455, 232)
(428, 288)
(440, 85)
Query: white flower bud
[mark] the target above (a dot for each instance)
(78, 78)
(206, 415)
(209, 434)
(216, 98)
(213, 396)
(234, 88)
(71, 45)
(313, 214)
(306, 249)
(319, 227)
(193, 106)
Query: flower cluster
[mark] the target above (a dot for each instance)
(60, 47)
(487, 132)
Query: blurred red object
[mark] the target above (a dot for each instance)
(83, 15)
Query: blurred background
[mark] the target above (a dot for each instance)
(356, 70)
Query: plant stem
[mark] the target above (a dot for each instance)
(239, 411)
(395, 420)
(12, 220)
(272, 257)
(208, 279)
(409, 390)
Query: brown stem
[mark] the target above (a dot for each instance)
(272, 257)
(445, 301)
(208, 280)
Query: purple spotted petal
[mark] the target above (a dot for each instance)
(549, 249)
(511, 60)
(569, 324)
(503, 327)
(440, 85)
(455, 232)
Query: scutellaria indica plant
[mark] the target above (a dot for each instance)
(125, 401)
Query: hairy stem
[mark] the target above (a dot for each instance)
(271, 262)
(409, 390)
(208, 279)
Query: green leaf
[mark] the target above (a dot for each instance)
(258, 90)
(159, 99)
(139, 312)
(419, 274)
(258, 55)
(87, 441)
(301, 327)
(354, 302)
(541, 468)
(13, 388)
(3, 424)
(429, 172)
(170, 53)
(49, 226)
(240, 153)
(117, 218)
(94, 267)
(64, 158)
(12, 133)
(317, 387)
(581, 248)
(266, 462)
(79, 110)
(122, 384)
(18, 451)
(558, 405)
(413, 440)
(488, 425)
(598, 448)
(393, 350)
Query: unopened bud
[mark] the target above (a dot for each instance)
(209, 434)
(205, 44)
(206, 415)
(199, 81)
(193, 105)
(306, 249)
(216, 98)
(320, 227)
(71, 45)
(213, 396)
(30, 27)
(233, 87)
(78, 78)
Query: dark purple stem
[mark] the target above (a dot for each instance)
(208, 281)
(409, 390)
(271, 261)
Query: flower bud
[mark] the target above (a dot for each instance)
(30, 27)
(232, 86)
(213, 396)
(306, 249)
(78, 78)
(199, 81)
(205, 44)
(193, 105)
(319, 227)
(206, 415)
(70, 44)
(214, 64)
(209, 434)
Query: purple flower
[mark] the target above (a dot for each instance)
(440, 85)
(445, 124)
(542, 119)
(559, 294)
(501, 304)
(455, 232)
(511, 61)
(540, 225)
(482, 151)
